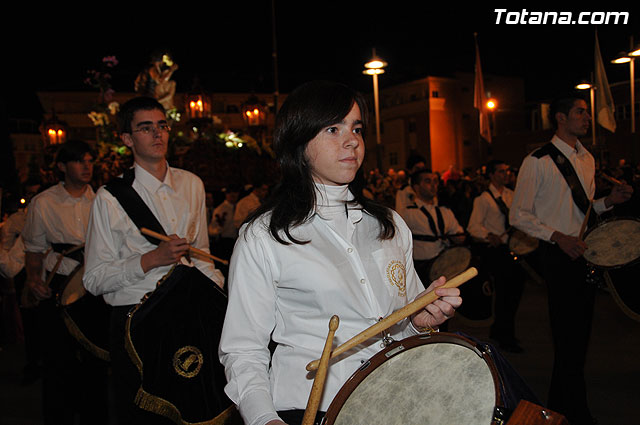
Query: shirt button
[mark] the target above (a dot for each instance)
(362, 281)
(349, 250)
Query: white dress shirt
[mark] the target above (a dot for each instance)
(486, 216)
(115, 245)
(419, 225)
(244, 207)
(221, 224)
(290, 292)
(542, 202)
(54, 216)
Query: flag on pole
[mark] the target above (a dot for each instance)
(480, 98)
(604, 101)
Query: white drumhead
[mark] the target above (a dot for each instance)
(450, 263)
(431, 384)
(521, 244)
(613, 243)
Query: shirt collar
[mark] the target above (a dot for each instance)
(62, 192)
(150, 182)
(567, 150)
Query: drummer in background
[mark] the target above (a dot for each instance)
(316, 248)
(122, 265)
(488, 225)
(429, 223)
(73, 381)
(543, 207)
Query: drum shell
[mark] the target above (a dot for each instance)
(464, 345)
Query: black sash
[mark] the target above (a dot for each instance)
(60, 248)
(133, 204)
(438, 233)
(504, 209)
(578, 194)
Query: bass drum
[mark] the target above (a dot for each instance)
(437, 379)
(477, 294)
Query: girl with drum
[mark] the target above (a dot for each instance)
(316, 248)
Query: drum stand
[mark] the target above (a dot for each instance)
(528, 413)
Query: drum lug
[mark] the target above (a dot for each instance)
(394, 351)
(499, 415)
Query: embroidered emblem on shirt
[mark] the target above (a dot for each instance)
(396, 276)
(560, 159)
(187, 361)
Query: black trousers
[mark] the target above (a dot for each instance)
(74, 382)
(571, 302)
(294, 417)
(508, 280)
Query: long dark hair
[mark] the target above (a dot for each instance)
(307, 110)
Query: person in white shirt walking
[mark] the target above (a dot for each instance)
(122, 265)
(74, 382)
(552, 207)
(315, 248)
(489, 228)
(434, 228)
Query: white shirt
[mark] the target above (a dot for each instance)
(419, 225)
(222, 221)
(486, 216)
(244, 207)
(54, 216)
(290, 292)
(115, 245)
(542, 202)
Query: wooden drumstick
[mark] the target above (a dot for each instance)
(193, 250)
(398, 315)
(321, 375)
(611, 179)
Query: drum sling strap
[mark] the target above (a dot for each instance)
(569, 173)
(437, 232)
(504, 209)
(121, 188)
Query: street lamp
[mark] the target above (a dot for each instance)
(375, 67)
(629, 57)
(585, 85)
(492, 105)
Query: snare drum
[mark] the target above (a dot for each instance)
(613, 243)
(432, 379)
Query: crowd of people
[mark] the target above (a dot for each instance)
(321, 241)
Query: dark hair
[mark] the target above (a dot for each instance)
(492, 165)
(73, 150)
(415, 176)
(563, 105)
(414, 159)
(131, 106)
(307, 110)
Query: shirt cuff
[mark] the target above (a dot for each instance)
(257, 408)
(599, 206)
(133, 269)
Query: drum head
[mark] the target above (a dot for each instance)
(437, 379)
(450, 263)
(613, 243)
(521, 244)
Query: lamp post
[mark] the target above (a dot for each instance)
(629, 57)
(374, 68)
(492, 105)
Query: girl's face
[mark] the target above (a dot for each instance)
(335, 154)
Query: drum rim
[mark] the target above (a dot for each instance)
(410, 342)
(602, 223)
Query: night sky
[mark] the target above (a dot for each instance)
(229, 48)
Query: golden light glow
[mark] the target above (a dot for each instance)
(635, 53)
(583, 86)
(622, 59)
(373, 71)
(492, 104)
(375, 64)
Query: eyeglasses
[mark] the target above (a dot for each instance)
(148, 129)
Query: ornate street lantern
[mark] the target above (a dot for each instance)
(54, 131)
(254, 112)
(198, 106)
